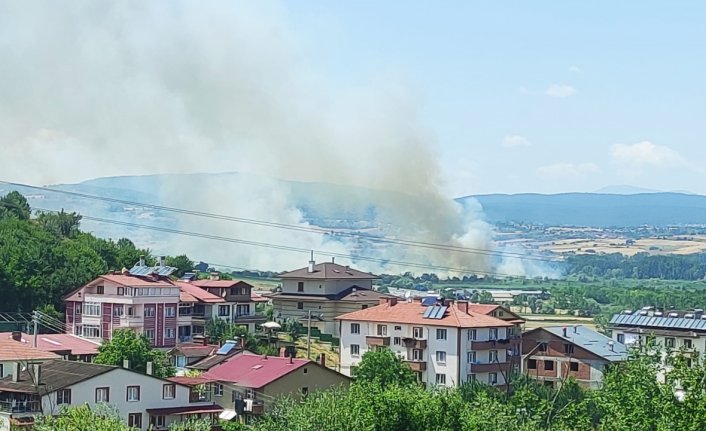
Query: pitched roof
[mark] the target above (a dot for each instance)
(329, 270)
(11, 350)
(189, 292)
(190, 381)
(670, 323)
(590, 340)
(135, 281)
(254, 371)
(195, 350)
(351, 294)
(256, 297)
(218, 283)
(55, 374)
(212, 360)
(412, 313)
(482, 308)
(57, 343)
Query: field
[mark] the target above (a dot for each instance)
(261, 284)
(536, 320)
(658, 246)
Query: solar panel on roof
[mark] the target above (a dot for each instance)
(429, 300)
(439, 313)
(225, 349)
(427, 312)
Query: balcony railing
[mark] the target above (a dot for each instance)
(14, 406)
(257, 408)
(417, 366)
(501, 343)
(249, 318)
(414, 343)
(374, 340)
(490, 367)
(199, 396)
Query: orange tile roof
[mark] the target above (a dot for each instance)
(482, 308)
(57, 343)
(217, 283)
(188, 292)
(11, 350)
(411, 313)
(131, 280)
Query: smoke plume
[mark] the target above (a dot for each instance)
(94, 89)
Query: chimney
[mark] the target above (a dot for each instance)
(126, 364)
(215, 276)
(205, 340)
(311, 262)
(36, 374)
(162, 261)
(392, 301)
(462, 306)
(16, 369)
(142, 260)
(564, 330)
(322, 360)
(333, 259)
(576, 329)
(17, 335)
(150, 368)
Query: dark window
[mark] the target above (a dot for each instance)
(669, 342)
(300, 305)
(134, 420)
(687, 344)
(574, 366)
(621, 338)
(100, 290)
(121, 291)
(305, 391)
(300, 286)
(548, 365)
(568, 349)
(532, 364)
(363, 307)
(542, 347)
(63, 396)
(102, 395)
(133, 393)
(168, 391)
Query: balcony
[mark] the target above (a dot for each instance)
(16, 406)
(249, 318)
(492, 367)
(377, 340)
(242, 298)
(199, 396)
(256, 408)
(131, 321)
(414, 343)
(502, 343)
(417, 366)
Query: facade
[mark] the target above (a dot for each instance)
(142, 401)
(248, 384)
(325, 290)
(67, 346)
(553, 354)
(445, 343)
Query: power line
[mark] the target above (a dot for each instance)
(300, 228)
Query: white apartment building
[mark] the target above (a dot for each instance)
(142, 401)
(445, 344)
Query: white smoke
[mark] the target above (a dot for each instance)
(93, 89)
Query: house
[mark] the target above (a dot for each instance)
(325, 290)
(12, 351)
(142, 401)
(248, 384)
(445, 343)
(222, 354)
(188, 353)
(68, 346)
(554, 353)
(143, 299)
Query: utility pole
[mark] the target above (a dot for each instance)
(308, 335)
(35, 321)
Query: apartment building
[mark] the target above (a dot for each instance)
(325, 290)
(444, 343)
(553, 354)
(142, 401)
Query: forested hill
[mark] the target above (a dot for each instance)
(594, 209)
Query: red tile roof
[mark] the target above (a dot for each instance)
(253, 371)
(217, 283)
(190, 381)
(412, 312)
(189, 292)
(195, 350)
(329, 270)
(11, 350)
(56, 343)
(256, 297)
(482, 308)
(131, 280)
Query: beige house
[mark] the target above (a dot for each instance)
(325, 290)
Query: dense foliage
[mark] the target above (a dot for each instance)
(126, 344)
(640, 266)
(83, 418)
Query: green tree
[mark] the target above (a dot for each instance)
(126, 344)
(14, 205)
(83, 418)
(384, 368)
(61, 224)
(182, 263)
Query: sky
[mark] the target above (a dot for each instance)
(511, 96)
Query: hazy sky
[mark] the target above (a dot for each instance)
(513, 96)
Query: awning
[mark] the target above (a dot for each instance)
(227, 415)
(189, 410)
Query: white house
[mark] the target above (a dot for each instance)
(141, 400)
(445, 344)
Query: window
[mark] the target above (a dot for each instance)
(242, 310)
(398, 328)
(168, 391)
(441, 357)
(396, 341)
(249, 393)
(169, 333)
(100, 290)
(548, 365)
(306, 370)
(364, 306)
(441, 379)
(687, 344)
(568, 349)
(300, 305)
(159, 421)
(180, 361)
(305, 391)
(63, 396)
(149, 333)
(417, 355)
(493, 356)
(418, 332)
(493, 334)
(169, 311)
(355, 328)
(121, 291)
(92, 309)
(92, 331)
(135, 420)
(441, 334)
(531, 364)
(472, 334)
(149, 311)
(492, 378)
(382, 330)
(130, 310)
(218, 390)
(573, 366)
(510, 331)
(300, 286)
(133, 393)
(79, 308)
(471, 357)
(151, 291)
(355, 350)
(621, 338)
(669, 342)
(223, 310)
(542, 347)
(102, 395)
(117, 310)
(471, 378)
